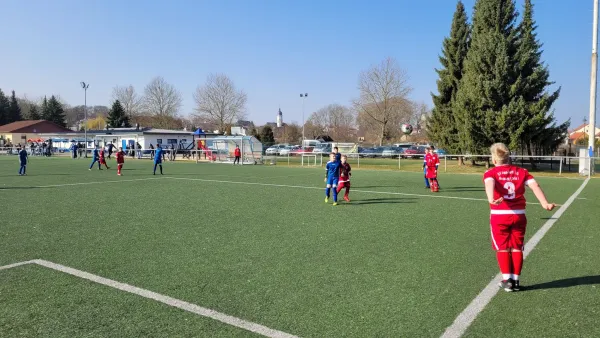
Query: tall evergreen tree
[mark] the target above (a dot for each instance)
(55, 112)
(34, 113)
(117, 117)
(267, 136)
(4, 108)
(484, 103)
(45, 114)
(441, 126)
(14, 111)
(538, 128)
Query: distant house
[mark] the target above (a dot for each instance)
(21, 131)
(581, 133)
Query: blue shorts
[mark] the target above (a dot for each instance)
(158, 162)
(332, 181)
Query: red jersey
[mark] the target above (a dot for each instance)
(120, 157)
(237, 152)
(509, 183)
(101, 154)
(431, 160)
(345, 172)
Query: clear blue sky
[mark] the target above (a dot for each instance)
(273, 49)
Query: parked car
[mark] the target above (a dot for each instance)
(299, 151)
(414, 151)
(323, 149)
(440, 152)
(275, 149)
(287, 150)
(391, 152)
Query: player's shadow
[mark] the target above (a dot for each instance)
(384, 201)
(564, 283)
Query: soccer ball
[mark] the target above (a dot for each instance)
(406, 129)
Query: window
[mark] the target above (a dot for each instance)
(172, 141)
(159, 141)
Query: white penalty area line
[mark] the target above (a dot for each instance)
(317, 188)
(466, 318)
(177, 303)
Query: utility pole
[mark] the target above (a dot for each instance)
(303, 96)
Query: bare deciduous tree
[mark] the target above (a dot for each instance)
(219, 102)
(130, 100)
(161, 98)
(383, 89)
(334, 120)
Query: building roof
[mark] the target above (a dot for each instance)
(33, 126)
(580, 135)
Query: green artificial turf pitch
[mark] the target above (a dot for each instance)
(260, 244)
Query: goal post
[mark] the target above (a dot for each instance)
(309, 160)
(221, 149)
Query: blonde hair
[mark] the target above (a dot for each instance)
(500, 153)
(344, 156)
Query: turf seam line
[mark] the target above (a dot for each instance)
(470, 313)
(180, 304)
(14, 265)
(317, 188)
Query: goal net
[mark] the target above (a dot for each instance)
(310, 160)
(221, 149)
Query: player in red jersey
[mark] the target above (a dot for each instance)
(505, 189)
(432, 162)
(345, 173)
(102, 160)
(120, 160)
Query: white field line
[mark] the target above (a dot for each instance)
(466, 318)
(180, 304)
(14, 265)
(317, 188)
(89, 183)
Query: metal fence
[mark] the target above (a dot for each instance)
(448, 163)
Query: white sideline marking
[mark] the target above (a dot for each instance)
(87, 183)
(317, 188)
(180, 304)
(466, 318)
(14, 265)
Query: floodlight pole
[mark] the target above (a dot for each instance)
(592, 125)
(85, 87)
(303, 96)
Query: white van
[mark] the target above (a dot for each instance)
(311, 143)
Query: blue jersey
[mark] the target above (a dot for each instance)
(23, 156)
(333, 169)
(338, 157)
(158, 155)
(95, 154)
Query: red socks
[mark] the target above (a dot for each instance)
(504, 262)
(347, 191)
(517, 263)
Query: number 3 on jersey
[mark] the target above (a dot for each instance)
(510, 187)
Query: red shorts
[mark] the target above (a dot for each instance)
(120, 163)
(431, 173)
(508, 231)
(342, 185)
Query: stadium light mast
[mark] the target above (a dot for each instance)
(593, 90)
(303, 96)
(85, 87)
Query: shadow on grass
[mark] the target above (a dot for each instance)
(564, 283)
(464, 189)
(383, 201)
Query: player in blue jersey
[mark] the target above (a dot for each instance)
(158, 157)
(338, 156)
(332, 176)
(95, 158)
(23, 161)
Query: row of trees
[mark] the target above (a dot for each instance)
(48, 109)
(493, 85)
